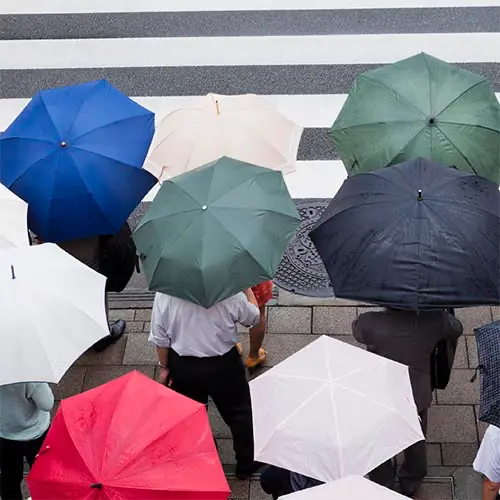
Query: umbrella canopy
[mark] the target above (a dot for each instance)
(244, 127)
(348, 488)
(129, 439)
(75, 154)
(215, 231)
(332, 410)
(52, 310)
(416, 236)
(488, 348)
(13, 223)
(420, 107)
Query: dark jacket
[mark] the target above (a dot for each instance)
(408, 337)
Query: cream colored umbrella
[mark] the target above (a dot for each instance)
(347, 488)
(13, 220)
(243, 127)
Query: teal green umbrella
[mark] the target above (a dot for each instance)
(420, 107)
(215, 231)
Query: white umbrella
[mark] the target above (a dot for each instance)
(333, 410)
(13, 220)
(348, 488)
(51, 311)
(244, 127)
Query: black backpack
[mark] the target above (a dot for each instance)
(118, 259)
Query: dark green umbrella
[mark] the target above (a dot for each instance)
(216, 230)
(420, 107)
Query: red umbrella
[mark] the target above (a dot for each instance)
(129, 439)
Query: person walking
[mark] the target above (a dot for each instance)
(24, 422)
(257, 355)
(198, 357)
(408, 337)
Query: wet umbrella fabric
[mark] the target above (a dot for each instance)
(488, 348)
(215, 231)
(420, 107)
(129, 439)
(75, 155)
(417, 235)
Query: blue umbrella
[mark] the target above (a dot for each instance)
(75, 155)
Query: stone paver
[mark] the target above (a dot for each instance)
(472, 317)
(333, 320)
(461, 358)
(71, 384)
(452, 424)
(289, 320)
(139, 351)
(460, 390)
(113, 355)
(459, 453)
(97, 375)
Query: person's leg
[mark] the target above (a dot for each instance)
(275, 481)
(228, 387)
(384, 474)
(257, 355)
(32, 448)
(12, 467)
(116, 330)
(414, 467)
(184, 376)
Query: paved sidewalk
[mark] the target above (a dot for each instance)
(293, 323)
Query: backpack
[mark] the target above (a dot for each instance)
(118, 259)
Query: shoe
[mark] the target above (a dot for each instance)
(254, 362)
(116, 330)
(246, 472)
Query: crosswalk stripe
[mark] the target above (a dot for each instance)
(309, 111)
(90, 6)
(312, 179)
(246, 51)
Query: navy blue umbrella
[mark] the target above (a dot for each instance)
(417, 235)
(75, 155)
(488, 349)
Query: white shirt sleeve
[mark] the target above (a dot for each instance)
(245, 312)
(487, 460)
(158, 334)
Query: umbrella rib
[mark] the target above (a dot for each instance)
(106, 157)
(110, 124)
(459, 231)
(482, 127)
(460, 96)
(459, 152)
(394, 91)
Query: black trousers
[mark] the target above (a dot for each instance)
(12, 454)
(413, 469)
(223, 378)
(276, 481)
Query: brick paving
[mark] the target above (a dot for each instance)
(294, 322)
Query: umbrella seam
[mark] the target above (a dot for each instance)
(461, 95)
(459, 231)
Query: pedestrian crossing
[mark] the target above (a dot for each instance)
(300, 55)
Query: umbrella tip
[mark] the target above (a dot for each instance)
(204, 207)
(217, 107)
(12, 272)
(96, 486)
(420, 197)
(432, 121)
(64, 144)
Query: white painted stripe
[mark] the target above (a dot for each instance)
(309, 111)
(243, 51)
(85, 6)
(312, 179)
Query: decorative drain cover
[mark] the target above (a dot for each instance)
(301, 270)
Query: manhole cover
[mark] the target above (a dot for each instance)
(301, 270)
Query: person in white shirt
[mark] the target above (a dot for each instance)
(487, 463)
(198, 356)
